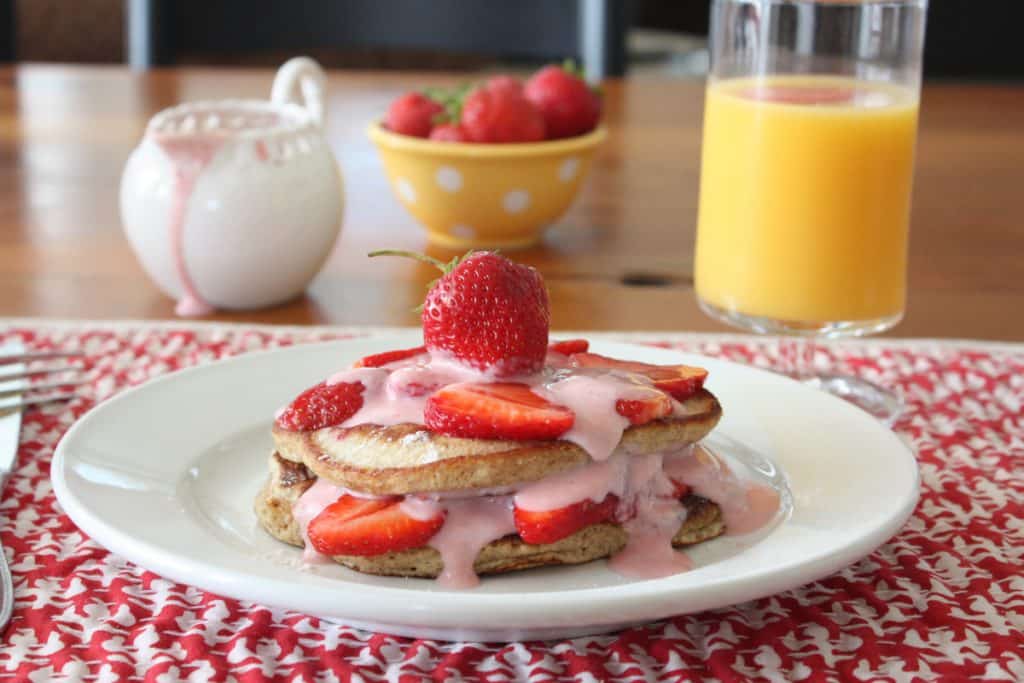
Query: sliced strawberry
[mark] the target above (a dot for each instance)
(569, 346)
(681, 381)
(641, 410)
(687, 382)
(379, 359)
(324, 405)
(499, 410)
(553, 525)
(679, 488)
(354, 526)
(349, 507)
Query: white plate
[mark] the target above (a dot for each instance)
(165, 475)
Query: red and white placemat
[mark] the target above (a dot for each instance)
(944, 600)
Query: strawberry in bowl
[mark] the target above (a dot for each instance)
(494, 163)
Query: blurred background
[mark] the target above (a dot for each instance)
(621, 258)
(966, 38)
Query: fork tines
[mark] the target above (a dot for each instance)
(36, 388)
(35, 372)
(16, 394)
(28, 357)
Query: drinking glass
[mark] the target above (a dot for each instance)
(809, 130)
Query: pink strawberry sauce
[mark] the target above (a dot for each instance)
(310, 504)
(471, 524)
(746, 506)
(191, 154)
(652, 517)
(648, 511)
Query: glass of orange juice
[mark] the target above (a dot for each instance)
(809, 129)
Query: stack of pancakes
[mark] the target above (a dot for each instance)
(409, 459)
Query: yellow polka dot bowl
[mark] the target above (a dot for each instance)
(485, 196)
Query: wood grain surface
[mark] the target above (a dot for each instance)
(621, 259)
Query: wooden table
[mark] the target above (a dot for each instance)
(65, 133)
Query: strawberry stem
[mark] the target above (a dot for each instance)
(445, 268)
(451, 99)
(440, 265)
(569, 66)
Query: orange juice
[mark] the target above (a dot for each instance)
(805, 198)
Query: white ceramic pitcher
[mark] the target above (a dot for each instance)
(235, 204)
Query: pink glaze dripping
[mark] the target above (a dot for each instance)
(449, 367)
(588, 482)
(649, 553)
(762, 505)
(648, 510)
(651, 516)
(598, 427)
(380, 407)
(398, 392)
(422, 507)
(417, 381)
(557, 360)
(310, 504)
(746, 506)
(471, 523)
(191, 154)
(442, 496)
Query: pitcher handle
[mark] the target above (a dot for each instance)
(301, 77)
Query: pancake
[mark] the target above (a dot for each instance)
(407, 458)
(288, 480)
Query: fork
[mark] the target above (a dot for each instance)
(41, 393)
(14, 396)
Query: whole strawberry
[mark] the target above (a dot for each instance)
(510, 83)
(487, 312)
(565, 101)
(447, 132)
(412, 114)
(501, 114)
